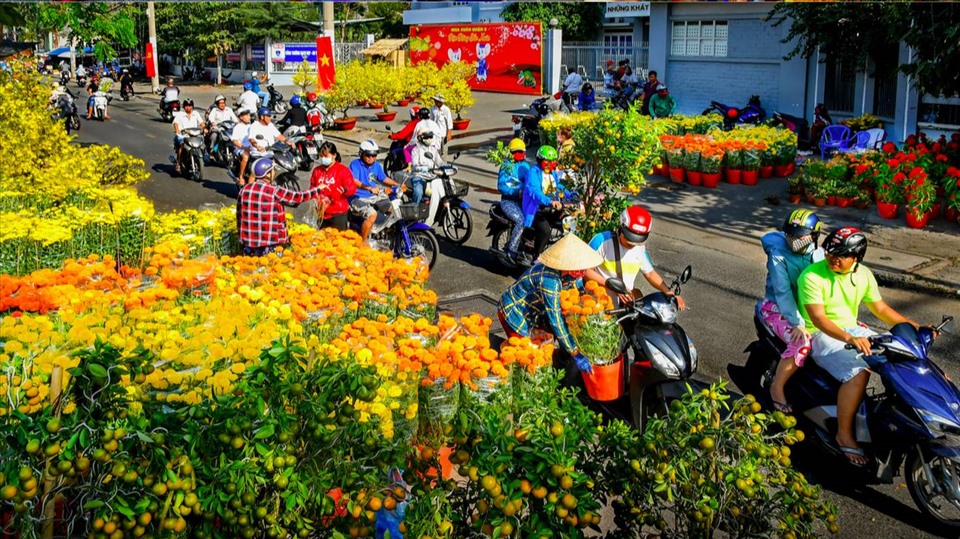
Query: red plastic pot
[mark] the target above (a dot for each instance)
(605, 383)
(917, 221)
(460, 125)
(794, 199)
(386, 116)
(733, 176)
(935, 210)
(832, 200)
(887, 211)
(374, 105)
(711, 179)
(766, 171)
(791, 168)
(749, 177)
(695, 177)
(781, 171)
(345, 124)
(844, 202)
(677, 175)
(951, 215)
(819, 201)
(665, 170)
(809, 198)
(403, 103)
(658, 170)
(363, 103)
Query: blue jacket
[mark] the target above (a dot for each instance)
(783, 273)
(587, 101)
(533, 195)
(511, 178)
(255, 82)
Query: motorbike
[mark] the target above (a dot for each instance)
(126, 91)
(318, 118)
(660, 359)
(912, 425)
(276, 100)
(620, 99)
(191, 165)
(64, 78)
(221, 145)
(81, 80)
(453, 215)
(752, 113)
(400, 227)
(500, 226)
(67, 105)
(100, 102)
(808, 136)
(306, 145)
(527, 126)
(286, 164)
(167, 110)
(396, 158)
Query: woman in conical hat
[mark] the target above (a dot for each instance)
(534, 300)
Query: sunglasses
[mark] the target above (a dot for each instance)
(368, 154)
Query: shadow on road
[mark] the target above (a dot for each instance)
(476, 256)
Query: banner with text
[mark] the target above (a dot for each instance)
(508, 56)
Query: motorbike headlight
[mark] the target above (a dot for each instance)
(939, 424)
(693, 355)
(664, 365)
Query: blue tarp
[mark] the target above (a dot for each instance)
(66, 50)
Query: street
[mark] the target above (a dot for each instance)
(728, 277)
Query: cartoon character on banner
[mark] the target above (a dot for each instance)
(526, 79)
(453, 55)
(483, 50)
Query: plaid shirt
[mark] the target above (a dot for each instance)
(262, 221)
(534, 301)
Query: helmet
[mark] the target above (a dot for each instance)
(425, 137)
(262, 167)
(295, 101)
(312, 96)
(125, 70)
(247, 86)
(187, 102)
(661, 87)
(547, 153)
(219, 98)
(801, 223)
(369, 147)
(517, 145)
(423, 113)
(254, 74)
(264, 111)
(244, 112)
(846, 241)
(635, 224)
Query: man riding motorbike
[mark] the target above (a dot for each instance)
(370, 178)
(542, 189)
(510, 180)
(241, 143)
(170, 93)
(407, 133)
(261, 136)
(185, 119)
(126, 82)
(295, 121)
(219, 113)
(248, 99)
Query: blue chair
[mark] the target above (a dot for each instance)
(835, 137)
(866, 140)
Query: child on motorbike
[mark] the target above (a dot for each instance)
(513, 173)
(789, 251)
(542, 188)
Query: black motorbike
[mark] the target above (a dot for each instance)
(500, 226)
(453, 215)
(221, 145)
(126, 91)
(68, 112)
(64, 78)
(751, 114)
(807, 135)
(286, 163)
(168, 109)
(276, 100)
(395, 159)
(659, 358)
(81, 80)
(527, 126)
(191, 162)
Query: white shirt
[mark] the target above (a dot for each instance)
(419, 161)
(184, 121)
(240, 134)
(270, 134)
(171, 94)
(248, 100)
(443, 118)
(217, 115)
(427, 125)
(81, 71)
(633, 262)
(572, 83)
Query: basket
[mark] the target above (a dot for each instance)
(414, 212)
(455, 188)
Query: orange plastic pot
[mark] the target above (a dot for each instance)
(605, 383)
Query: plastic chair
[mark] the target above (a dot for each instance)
(835, 137)
(877, 136)
(868, 139)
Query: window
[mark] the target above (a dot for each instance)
(885, 81)
(699, 38)
(618, 45)
(840, 85)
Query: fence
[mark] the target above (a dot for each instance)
(589, 58)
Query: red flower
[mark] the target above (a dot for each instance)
(953, 172)
(912, 157)
(899, 177)
(893, 163)
(889, 147)
(860, 169)
(916, 172)
(936, 147)
(953, 146)
(941, 157)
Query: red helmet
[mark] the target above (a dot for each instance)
(312, 96)
(635, 223)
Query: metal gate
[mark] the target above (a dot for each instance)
(589, 58)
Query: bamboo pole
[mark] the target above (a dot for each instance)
(49, 505)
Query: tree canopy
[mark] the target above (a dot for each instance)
(854, 33)
(580, 21)
(101, 25)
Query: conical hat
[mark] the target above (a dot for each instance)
(570, 254)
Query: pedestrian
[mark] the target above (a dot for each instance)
(587, 100)
(662, 104)
(565, 143)
(649, 88)
(533, 301)
(440, 113)
(571, 89)
(261, 216)
(337, 185)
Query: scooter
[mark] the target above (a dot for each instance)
(100, 102)
(562, 222)
(67, 104)
(453, 214)
(276, 100)
(191, 164)
(221, 144)
(914, 423)
(81, 80)
(660, 359)
(168, 109)
(527, 126)
(286, 163)
(64, 78)
(306, 145)
(396, 158)
(752, 113)
(126, 91)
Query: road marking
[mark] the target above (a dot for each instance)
(151, 135)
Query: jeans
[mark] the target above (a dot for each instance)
(512, 209)
(419, 185)
(265, 96)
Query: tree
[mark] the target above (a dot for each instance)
(852, 34)
(580, 21)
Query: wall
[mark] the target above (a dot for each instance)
(447, 12)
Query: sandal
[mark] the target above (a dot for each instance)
(783, 407)
(851, 452)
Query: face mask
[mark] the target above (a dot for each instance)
(326, 161)
(800, 245)
(577, 274)
(519, 156)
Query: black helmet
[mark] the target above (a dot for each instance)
(187, 102)
(801, 222)
(423, 113)
(846, 241)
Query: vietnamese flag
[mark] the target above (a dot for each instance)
(325, 68)
(148, 60)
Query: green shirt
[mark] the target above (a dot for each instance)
(840, 294)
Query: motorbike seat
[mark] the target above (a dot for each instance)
(819, 376)
(496, 212)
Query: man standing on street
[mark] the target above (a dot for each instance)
(649, 88)
(571, 89)
(440, 113)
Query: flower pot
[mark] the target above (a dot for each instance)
(658, 170)
(605, 383)
(766, 171)
(781, 171)
(791, 168)
(832, 200)
(345, 124)
(749, 177)
(386, 116)
(460, 125)
(403, 103)
(677, 175)
(844, 202)
(819, 201)
(886, 210)
(951, 215)
(935, 210)
(665, 170)
(809, 198)
(917, 221)
(372, 105)
(711, 179)
(363, 103)
(733, 176)
(695, 177)
(794, 199)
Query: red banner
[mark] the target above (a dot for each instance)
(148, 59)
(508, 56)
(326, 70)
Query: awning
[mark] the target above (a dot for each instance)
(58, 52)
(65, 52)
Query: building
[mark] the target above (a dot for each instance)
(726, 52)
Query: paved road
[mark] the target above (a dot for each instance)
(728, 275)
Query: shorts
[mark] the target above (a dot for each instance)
(364, 206)
(830, 355)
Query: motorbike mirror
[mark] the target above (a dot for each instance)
(946, 325)
(456, 156)
(388, 127)
(616, 285)
(685, 275)
(428, 155)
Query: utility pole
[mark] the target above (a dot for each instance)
(152, 29)
(327, 9)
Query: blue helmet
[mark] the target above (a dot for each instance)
(295, 101)
(262, 167)
(264, 111)
(247, 86)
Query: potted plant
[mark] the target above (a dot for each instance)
(795, 189)
(733, 153)
(890, 194)
(384, 88)
(951, 188)
(920, 195)
(836, 181)
(751, 161)
(711, 163)
(340, 98)
(459, 97)
(598, 337)
(767, 159)
(677, 159)
(691, 163)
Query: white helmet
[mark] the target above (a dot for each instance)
(254, 74)
(369, 147)
(219, 98)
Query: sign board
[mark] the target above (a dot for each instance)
(277, 52)
(257, 52)
(298, 52)
(508, 56)
(233, 56)
(627, 9)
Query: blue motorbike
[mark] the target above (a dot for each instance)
(751, 114)
(913, 423)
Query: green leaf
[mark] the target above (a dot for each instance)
(265, 431)
(93, 504)
(144, 438)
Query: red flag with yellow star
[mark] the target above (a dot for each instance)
(325, 67)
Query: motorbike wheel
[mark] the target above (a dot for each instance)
(422, 243)
(457, 225)
(945, 511)
(288, 181)
(644, 406)
(197, 172)
(74, 122)
(280, 108)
